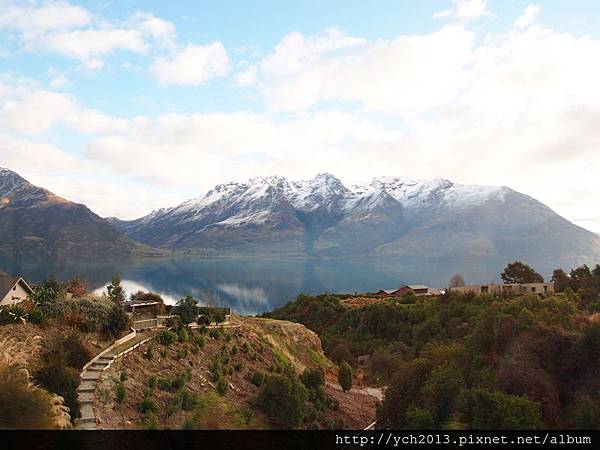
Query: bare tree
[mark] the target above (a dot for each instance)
(457, 280)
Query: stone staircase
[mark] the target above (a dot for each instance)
(94, 371)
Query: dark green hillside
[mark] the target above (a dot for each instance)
(468, 361)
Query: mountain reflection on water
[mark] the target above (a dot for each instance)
(251, 285)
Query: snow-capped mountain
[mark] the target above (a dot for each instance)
(387, 216)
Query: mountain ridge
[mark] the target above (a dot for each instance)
(37, 224)
(385, 217)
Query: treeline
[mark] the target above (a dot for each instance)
(468, 361)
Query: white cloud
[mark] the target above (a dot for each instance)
(465, 9)
(192, 66)
(34, 18)
(410, 74)
(528, 17)
(33, 111)
(74, 32)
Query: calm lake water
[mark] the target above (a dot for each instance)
(254, 285)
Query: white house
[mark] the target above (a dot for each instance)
(13, 289)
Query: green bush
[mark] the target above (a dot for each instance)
(313, 378)
(181, 353)
(199, 341)
(120, 392)
(282, 397)
(147, 406)
(183, 335)
(166, 337)
(482, 409)
(123, 376)
(117, 321)
(152, 382)
(57, 376)
(222, 386)
(345, 376)
(187, 309)
(257, 378)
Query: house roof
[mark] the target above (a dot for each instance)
(7, 282)
(416, 286)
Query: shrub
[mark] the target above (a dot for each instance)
(215, 333)
(228, 337)
(149, 353)
(166, 337)
(56, 375)
(245, 347)
(238, 367)
(257, 378)
(147, 406)
(282, 397)
(187, 309)
(345, 376)
(483, 409)
(313, 378)
(222, 386)
(203, 329)
(183, 335)
(199, 341)
(77, 352)
(419, 419)
(181, 353)
(152, 382)
(117, 321)
(120, 392)
(123, 376)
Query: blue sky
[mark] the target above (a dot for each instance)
(132, 105)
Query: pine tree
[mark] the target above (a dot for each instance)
(115, 291)
(345, 376)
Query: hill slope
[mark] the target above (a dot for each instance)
(37, 224)
(387, 217)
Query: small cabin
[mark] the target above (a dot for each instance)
(419, 290)
(13, 289)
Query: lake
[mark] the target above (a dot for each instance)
(251, 285)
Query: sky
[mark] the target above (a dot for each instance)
(129, 106)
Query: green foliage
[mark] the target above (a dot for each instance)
(419, 419)
(123, 376)
(345, 376)
(115, 291)
(482, 409)
(147, 406)
(58, 372)
(313, 378)
(117, 321)
(152, 382)
(183, 335)
(282, 397)
(187, 309)
(120, 392)
(216, 333)
(181, 353)
(184, 400)
(518, 272)
(166, 337)
(257, 378)
(222, 386)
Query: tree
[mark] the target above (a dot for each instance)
(345, 376)
(187, 309)
(518, 272)
(282, 397)
(561, 280)
(486, 410)
(115, 291)
(313, 378)
(77, 287)
(457, 280)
